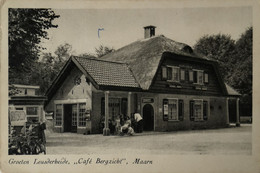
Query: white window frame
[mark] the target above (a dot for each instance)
(177, 111)
(174, 67)
(199, 71)
(25, 109)
(83, 115)
(201, 104)
(55, 115)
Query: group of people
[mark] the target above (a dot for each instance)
(121, 124)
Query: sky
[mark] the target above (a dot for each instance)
(119, 27)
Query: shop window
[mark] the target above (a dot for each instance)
(198, 110)
(172, 109)
(82, 118)
(58, 117)
(116, 106)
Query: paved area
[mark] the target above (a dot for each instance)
(227, 141)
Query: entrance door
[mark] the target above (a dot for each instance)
(232, 110)
(148, 117)
(70, 118)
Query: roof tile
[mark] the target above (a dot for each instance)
(108, 73)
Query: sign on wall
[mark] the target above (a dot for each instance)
(17, 117)
(147, 100)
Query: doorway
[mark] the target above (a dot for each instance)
(70, 117)
(148, 117)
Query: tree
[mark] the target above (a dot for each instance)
(26, 29)
(235, 60)
(241, 77)
(46, 70)
(103, 50)
(218, 47)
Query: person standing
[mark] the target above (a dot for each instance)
(139, 121)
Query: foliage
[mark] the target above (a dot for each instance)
(46, 70)
(219, 47)
(103, 50)
(26, 29)
(241, 77)
(235, 60)
(13, 90)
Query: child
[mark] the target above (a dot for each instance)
(126, 128)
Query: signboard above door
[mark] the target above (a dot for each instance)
(147, 100)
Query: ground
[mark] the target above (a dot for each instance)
(226, 141)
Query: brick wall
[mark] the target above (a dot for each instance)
(216, 112)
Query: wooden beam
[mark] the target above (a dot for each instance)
(237, 119)
(227, 109)
(106, 130)
(129, 104)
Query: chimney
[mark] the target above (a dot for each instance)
(149, 31)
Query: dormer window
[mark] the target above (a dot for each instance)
(171, 73)
(198, 77)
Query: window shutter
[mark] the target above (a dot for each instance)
(195, 79)
(191, 76)
(181, 110)
(182, 75)
(164, 73)
(192, 110)
(169, 73)
(206, 78)
(205, 110)
(165, 109)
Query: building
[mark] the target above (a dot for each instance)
(28, 100)
(172, 87)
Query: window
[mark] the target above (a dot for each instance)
(74, 115)
(172, 109)
(116, 106)
(175, 74)
(171, 73)
(58, 118)
(32, 111)
(198, 76)
(82, 118)
(19, 108)
(198, 110)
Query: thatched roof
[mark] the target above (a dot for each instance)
(143, 56)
